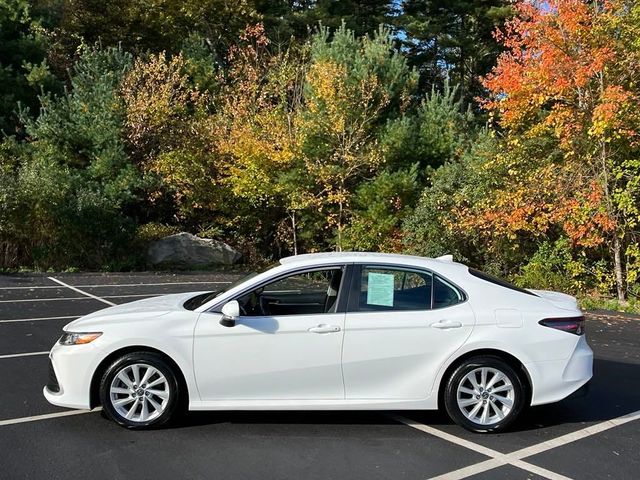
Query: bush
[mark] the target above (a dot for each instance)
(553, 267)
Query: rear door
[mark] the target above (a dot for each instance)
(402, 323)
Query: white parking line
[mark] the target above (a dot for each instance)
(87, 294)
(46, 416)
(28, 354)
(498, 458)
(107, 285)
(37, 319)
(55, 299)
(573, 436)
(514, 458)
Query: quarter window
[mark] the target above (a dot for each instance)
(445, 294)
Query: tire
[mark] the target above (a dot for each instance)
(484, 407)
(140, 390)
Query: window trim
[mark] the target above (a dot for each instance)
(343, 291)
(356, 276)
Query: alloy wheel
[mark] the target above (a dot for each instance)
(139, 393)
(485, 395)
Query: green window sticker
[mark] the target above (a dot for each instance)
(380, 289)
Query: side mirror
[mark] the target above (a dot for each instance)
(230, 313)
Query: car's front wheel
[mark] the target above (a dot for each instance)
(484, 394)
(139, 390)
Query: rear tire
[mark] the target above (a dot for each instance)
(140, 390)
(484, 394)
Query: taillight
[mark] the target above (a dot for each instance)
(573, 325)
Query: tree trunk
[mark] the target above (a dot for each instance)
(617, 268)
(295, 236)
(339, 245)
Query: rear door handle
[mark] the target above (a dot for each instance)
(323, 328)
(446, 324)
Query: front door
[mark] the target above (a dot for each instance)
(286, 345)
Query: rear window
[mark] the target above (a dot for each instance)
(498, 281)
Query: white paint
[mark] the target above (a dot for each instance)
(471, 470)
(543, 472)
(46, 416)
(29, 354)
(55, 299)
(514, 458)
(574, 436)
(75, 289)
(114, 285)
(37, 319)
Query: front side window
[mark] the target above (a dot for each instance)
(384, 289)
(310, 292)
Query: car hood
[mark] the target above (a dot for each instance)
(138, 310)
(558, 299)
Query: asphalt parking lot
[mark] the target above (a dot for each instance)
(595, 436)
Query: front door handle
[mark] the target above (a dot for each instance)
(323, 328)
(446, 324)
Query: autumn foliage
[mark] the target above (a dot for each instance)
(403, 126)
(564, 96)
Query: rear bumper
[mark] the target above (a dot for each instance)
(555, 380)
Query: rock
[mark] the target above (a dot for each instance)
(186, 250)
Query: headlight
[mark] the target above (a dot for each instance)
(73, 338)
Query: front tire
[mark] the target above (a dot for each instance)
(139, 390)
(484, 394)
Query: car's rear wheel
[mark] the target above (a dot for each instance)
(484, 394)
(139, 390)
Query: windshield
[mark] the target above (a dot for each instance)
(202, 298)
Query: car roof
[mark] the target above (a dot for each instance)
(368, 257)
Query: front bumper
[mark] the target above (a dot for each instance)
(70, 373)
(555, 380)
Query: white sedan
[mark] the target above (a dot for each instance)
(330, 331)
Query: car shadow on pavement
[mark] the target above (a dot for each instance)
(612, 392)
(194, 419)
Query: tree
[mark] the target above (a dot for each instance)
(23, 67)
(379, 207)
(435, 132)
(284, 19)
(567, 81)
(257, 134)
(452, 40)
(73, 180)
(169, 136)
(352, 87)
(155, 25)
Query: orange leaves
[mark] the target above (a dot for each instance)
(583, 217)
(566, 80)
(616, 115)
(554, 54)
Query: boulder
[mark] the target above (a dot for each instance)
(188, 251)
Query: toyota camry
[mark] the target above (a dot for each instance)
(329, 331)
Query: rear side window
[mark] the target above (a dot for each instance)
(397, 289)
(394, 289)
(498, 281)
